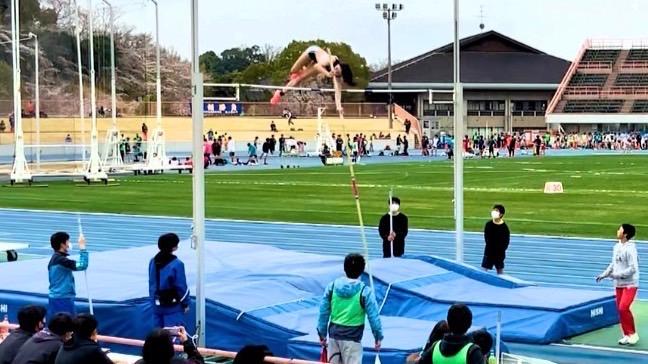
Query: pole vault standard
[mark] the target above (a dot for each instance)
(20, 171)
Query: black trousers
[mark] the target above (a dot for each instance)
(399, 248)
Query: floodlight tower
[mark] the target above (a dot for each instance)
(389, 13)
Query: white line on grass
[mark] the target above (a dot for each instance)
(402, 187)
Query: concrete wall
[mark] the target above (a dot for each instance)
(178, 129)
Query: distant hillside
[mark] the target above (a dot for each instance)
(54, 23)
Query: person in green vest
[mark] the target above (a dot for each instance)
(346, 303)
(456, 347)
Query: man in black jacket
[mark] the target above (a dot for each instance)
(393, 233)
(31, 320)
(83, 347)
(455, 346)
(497, 237)
(44, 345)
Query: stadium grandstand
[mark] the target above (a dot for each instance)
(507, 84)
(605, 89)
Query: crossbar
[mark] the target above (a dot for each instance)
(317, 89)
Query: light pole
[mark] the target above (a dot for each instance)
(389, 12)
(458, 142)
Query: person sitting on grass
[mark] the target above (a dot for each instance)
(344, 306)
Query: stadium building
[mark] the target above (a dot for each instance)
(507, 84)
(605, 89)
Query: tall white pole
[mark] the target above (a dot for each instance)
(37, 92)
(113, 92)
(458, 141)
(158, 81)
(198, 237)
(80, 71)
(20, 170)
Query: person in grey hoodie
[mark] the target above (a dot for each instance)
(624, 270)
(346, 303)
(44, 345)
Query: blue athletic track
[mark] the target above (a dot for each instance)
(550, 262)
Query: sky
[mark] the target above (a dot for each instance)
(557, 27)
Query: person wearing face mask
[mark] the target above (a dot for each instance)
(61, 281)
(497, 237)
(393, 230)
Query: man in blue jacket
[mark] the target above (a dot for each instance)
(61, 281)
(346, 303)
(168, 284)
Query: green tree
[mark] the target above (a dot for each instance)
(224, 68)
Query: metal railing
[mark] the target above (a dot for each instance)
(568, 75)
(596, 65)
(600, 92)
(70, 108)
(179, 348)
(635, 64)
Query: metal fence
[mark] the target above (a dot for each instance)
(70, 108)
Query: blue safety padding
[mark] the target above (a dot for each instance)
(261, 294)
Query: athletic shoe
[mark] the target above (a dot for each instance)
(633, 339)
(624, 340)
(276, 98)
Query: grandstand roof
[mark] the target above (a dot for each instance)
(486, 58)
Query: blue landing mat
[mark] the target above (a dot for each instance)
(261, 294)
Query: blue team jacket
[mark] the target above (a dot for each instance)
(172, 282)
(60, 268)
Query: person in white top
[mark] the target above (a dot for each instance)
(624, 270)
(231, 148)
(315, 61)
